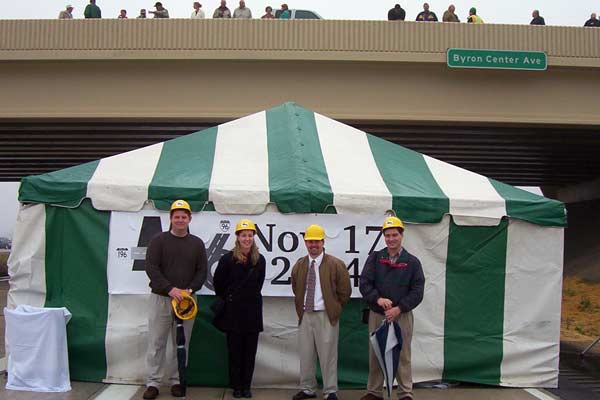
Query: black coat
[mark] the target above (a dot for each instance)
(243, 307)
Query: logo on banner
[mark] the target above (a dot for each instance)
(225, 224)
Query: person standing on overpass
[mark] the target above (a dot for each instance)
(397, 13)
(537, 20)
(160, 12)
(473, 17)
(92, 10)
(426, 15)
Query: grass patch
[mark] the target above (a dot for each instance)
(3, 264)
(580, 310)
(585, 304)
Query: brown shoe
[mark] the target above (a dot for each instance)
(150, 393)
(371, 396)
(177, 391)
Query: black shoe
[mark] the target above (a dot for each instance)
(301, 395)
(247, 393)
(177, 390)
(238, 394)
(331, 396)
(150, 393)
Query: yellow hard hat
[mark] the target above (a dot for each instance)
(392, 222)
(245, 224)
(314, 232)
(186, 308)
(180, 205)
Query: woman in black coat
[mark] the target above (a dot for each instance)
(238, 279)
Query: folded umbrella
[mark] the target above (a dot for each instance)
(387, 343)
(181, 353)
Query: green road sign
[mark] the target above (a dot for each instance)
(497, 59)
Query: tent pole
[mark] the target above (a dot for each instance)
(582, 354)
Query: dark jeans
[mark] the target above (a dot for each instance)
(242, 354)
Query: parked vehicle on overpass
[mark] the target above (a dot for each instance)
(300, 14)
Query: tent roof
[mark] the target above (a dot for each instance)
(301, 161)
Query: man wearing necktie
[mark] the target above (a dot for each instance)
(321, 286)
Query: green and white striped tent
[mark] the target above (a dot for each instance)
(492, 253)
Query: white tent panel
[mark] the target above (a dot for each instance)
(241, 166)
(355, 180)
(469, 194)
(123, 179)
(126, 338)
(532, 306)
(429, 243)
(27, 262)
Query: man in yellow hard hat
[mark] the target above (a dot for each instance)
(321, 286)
(392, 283)
(176, 264)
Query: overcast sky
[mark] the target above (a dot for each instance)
(573, 13)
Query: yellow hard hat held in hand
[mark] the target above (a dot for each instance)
(186, 308)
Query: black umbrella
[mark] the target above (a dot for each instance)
(184, 309)
(181, 353)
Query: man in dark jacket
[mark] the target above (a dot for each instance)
(537, 20)
(175, 263)
(392, 282)
(593, 21)
(321, 286)
(92, 10)
(426, 15)
(397, 13)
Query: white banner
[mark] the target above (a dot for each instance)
(279, 239)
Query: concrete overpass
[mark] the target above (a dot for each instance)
(77, 90)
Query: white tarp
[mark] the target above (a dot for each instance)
(36, 340)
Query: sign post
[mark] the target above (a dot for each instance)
(497, 59)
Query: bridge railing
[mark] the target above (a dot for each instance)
(278, 39)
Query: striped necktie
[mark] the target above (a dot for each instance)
(310, 288)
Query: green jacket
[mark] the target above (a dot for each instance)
(92, 11)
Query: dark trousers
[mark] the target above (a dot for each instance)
(242, 354)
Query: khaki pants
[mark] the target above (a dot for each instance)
(317, 337)
(161, 324)
(404, 375)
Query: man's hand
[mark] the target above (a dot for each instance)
(176, 293)
(386, 304)
(392, 314)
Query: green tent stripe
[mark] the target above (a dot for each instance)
(184, 170)
(208, 365)
(474, 313)
(298, 180)
(416, 194)
(353, 347)
(65, 187)
(76, 257)
(207, 360)
(530, 207)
